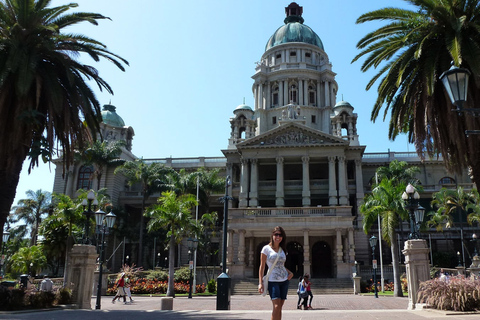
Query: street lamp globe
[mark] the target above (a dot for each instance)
(5, 236)
(455, 81)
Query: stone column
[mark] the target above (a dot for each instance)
(306, 252)
(280, 201)
(359, 179)
(241, 247)
(342, 181)
(280, 94)
(243, 201)
(81, 268)
(339, 246)
(286, 97)
(260, 96)
(305, 93)
(327, 94)
(417, 263)
(351, 245)
(229, 247)
(306, 182)
(268, 99)
(253, 183)
(332, 182)
(300, 92)
(255, 96)
(251, 252)
(319, 98)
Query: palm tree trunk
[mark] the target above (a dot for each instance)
(396, 266)
(171, 267)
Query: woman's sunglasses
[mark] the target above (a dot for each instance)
(277, 235)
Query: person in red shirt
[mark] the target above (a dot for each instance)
(121, 289)
(309, 291)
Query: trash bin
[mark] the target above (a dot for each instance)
(24, 280)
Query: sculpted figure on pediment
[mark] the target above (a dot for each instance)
(292, 137)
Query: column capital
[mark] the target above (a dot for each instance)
(279, 160)
(305, 159)
(254, 161)
(331, 158)
(341, 158)
(244, 161)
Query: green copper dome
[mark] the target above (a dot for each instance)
(110, 116)
(294, 30)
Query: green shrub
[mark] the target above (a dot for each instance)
(212, 286)
(159, 275)
(182, 275)
(39, 299)
(457, 294)
(63, 296)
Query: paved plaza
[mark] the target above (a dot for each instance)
(328, 307)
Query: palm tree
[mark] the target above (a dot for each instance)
(399, 172)
(411, 51)
(174, 214)
(45, 100)
(102, 155)
(28, 259)
(386, 201)
(31, 211)
(152, 177)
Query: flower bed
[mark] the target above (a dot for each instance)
(146, 286)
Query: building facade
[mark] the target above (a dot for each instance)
(295, 160)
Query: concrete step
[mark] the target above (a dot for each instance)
(319, 286)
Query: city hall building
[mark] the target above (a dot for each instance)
(295, 160)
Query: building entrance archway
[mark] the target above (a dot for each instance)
(294, 261)
(322, 266)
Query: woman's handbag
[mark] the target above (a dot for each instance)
(265, 278)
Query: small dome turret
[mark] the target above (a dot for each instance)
(110, 116)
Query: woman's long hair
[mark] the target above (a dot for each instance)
(283, 243)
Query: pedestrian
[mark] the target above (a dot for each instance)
(308, 288)
(302, 294)
(276, 281)
(46, 285)
(128, 284)
(121, 289)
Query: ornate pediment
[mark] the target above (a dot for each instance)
(293, 135)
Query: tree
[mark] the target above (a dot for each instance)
(174, 214)
(386, 201)
(45, 100)
(152, 177)
(31, 211)
(412, 51)
(28, 259)
(102, 155)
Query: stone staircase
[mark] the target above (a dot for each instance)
(319, 286)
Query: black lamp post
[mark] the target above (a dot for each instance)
(127, 258)
(158, 260)
(5, 237)
(104, 224)
(459, 260)
(166, 262)
(373, 243)
(416, 212)
(223, 280)
(192, 246)
(88, 212)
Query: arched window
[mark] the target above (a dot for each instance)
(85, 178)
(447, 180)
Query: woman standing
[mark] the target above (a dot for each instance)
(274, 255)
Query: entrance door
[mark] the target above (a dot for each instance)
(322, 260)
(294, 261)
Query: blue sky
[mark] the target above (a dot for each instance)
(191, 63)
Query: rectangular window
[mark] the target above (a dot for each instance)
(275, 99)
(278, 56)
(314, 119)
(311, 97)
(274, 120)
(307, 55)
(293, 53)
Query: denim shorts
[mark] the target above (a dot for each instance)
(278, 290)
